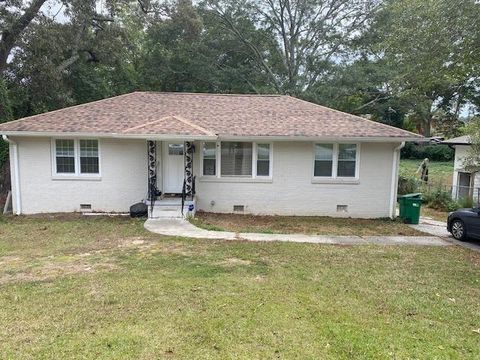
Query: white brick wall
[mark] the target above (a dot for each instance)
(291, 192)
(123, 181)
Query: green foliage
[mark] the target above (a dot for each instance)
(432, 152)
(408, 184)
(440, 199)
(466, 202)
(472, 160)
(406, 63)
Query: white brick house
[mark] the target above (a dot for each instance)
(254, 154)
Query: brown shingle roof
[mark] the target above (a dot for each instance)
(149, 113)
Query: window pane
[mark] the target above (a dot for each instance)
(263, 168)
(64, 148)
(263, 159)
(89, 165)
(347, 151)
(89, 157)
(323, 160)
(209, 150)
(209, 167)
(89, 148)
(347, 154)
(323, 151)
(236, 159)
(65, 165)
(65, 156)
(209, 159)
(175, 149)
(323, 168)
(263, 151)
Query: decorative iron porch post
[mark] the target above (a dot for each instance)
(189, 170)
(152, 171)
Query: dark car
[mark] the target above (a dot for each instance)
(464, 223)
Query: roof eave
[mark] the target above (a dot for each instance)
(214, 137)
(108, 135)
(326, 138)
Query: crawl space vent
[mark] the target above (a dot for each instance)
(238, 208)
(85, 207)
(342, 208)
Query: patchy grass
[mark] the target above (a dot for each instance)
(81, 288)
(440, 173)
(301, 224)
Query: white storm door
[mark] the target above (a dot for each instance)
(173, 167)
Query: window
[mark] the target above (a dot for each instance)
(323, 160)
(209, 159)
(65, 156)
(347, 159)
(263, 159)
(336, 161)
(89, 157)
(236, 159)
(76, 157)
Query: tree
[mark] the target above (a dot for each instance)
(310, 35)
(189, 51)
(428, 47)
(13, 21)
(54, 67)
(471, 162)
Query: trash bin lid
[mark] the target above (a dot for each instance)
(416, 195)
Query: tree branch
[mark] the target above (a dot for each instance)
(11, 35)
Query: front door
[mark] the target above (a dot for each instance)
(173, 167)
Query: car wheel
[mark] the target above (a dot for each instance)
(458, 230)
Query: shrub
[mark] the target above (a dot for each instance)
(440, 199)
(408, 185)
(466, 202)
(432, 152)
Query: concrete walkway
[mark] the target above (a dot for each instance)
(182, 228)
(439, 228)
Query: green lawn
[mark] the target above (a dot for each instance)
(75, 288)
(440, 173)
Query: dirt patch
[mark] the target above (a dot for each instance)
(235, 262)
(310, 225)
(52, 271)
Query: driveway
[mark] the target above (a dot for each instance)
(439, 228)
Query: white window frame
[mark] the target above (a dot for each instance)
(76, 146)
(335, 162)
(218, 160)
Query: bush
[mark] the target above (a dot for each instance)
(408, 185)
(432, 152)
(440, 199)
(466, 202)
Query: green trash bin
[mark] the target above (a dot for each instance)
(410, 206)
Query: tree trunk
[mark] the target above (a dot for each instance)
(11, 35)
(427, 125)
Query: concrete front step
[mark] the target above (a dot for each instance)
(171, 208)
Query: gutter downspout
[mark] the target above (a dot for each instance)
(394, 184)
(15, 175)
